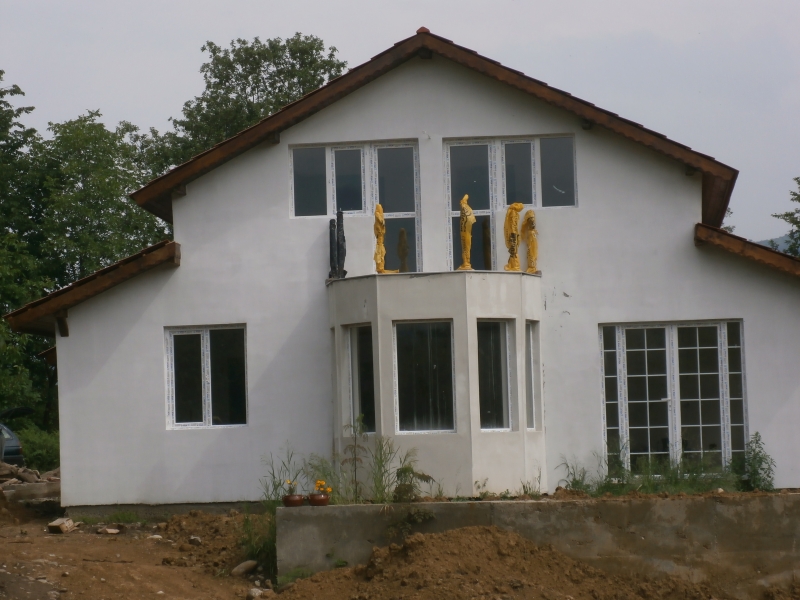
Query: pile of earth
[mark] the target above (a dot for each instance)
(483, 562)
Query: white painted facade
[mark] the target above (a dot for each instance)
(624, 254)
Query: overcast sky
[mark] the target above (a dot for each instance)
(720, 76)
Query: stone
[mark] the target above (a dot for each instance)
(254, 593)
(195, 541)
(108, 531)
(162, 526)
(154, 537)
(244, 568)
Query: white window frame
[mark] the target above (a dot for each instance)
(396, 389)
(673, 386)
(328, 201)
(531, 365)
(350, 331)
(205, 356)
(332, 175)
(507, 328)
(537, 181)
(539, 196)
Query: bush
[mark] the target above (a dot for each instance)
(259, 540)
(41, 449)
(759, 467)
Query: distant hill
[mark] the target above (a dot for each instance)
(782, 242)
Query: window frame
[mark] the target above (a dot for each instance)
(673, 386)
(505, 332)
(354, 386)
(396, 388)
(540, 196)
(332, 172)
(292, 213)
(205, 353)
(532, 419)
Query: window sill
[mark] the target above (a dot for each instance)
(193, 427)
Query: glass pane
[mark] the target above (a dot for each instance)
(481, 251)
(707, 337)
(363, 376)
(348, 179)
(469, 174)
(690, 412)
(656, 338)
(687, 360)
(610, 363)
(737, 412)
(611, 389)
(736, 385)
(634, 339)
(613, 441)
(657, 387)
(492, 375)
(734, 334)
(310, 195)
(396, 180)
(712, 460)
(710, 412)
(709, 386)
(659, 440)
(735, 360)
(188, 379)
(637, 414)
(424, 376)
(712, 438)
(656, 362)
(637, 388)
(609, 338)
(519, 177)
(687, 337)
(658, 414)
(708, 360)
(691, 439)
(639, 441)
(637, 364)
(401, 245)
(531, 421)
(612, 415)
(558, 172)
(737, 437)
(228, 388)
(690, 387)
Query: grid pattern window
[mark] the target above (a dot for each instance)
(668, 390)
(206, 376)
(397, 191)
(470, 174)
(493, 374)
(736, 390)
(424, 376)
(362, 376)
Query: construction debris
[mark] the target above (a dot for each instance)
(12, 475)
(63, 525)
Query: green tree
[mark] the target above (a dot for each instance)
(244, 84)
(792, 217)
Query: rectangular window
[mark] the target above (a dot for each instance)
(397, 193)
(362, 376)
(310, 195)
(206, 377)
(518, 161)
(470, 175)
(424, 380)
(493, 374)
(529, 389)
(665, 413)
(558, 171)
(348, 180)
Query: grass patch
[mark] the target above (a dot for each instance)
(293, 576)
(124, 516)
(259, 539)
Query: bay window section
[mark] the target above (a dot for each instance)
(362, 376)
(493, 374)
(424, 376)
(310, 196)
(398, 194)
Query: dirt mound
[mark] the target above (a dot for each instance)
(476, 562)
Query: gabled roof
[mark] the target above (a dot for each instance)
(705, 234)
(43, 315)
(718, 178)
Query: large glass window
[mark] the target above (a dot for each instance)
(206, 372)
(348, 179)
(662, 413)
(469, 175)
(493, 374)
(362, 376)
(558, 171)
(518, 162)
(310, 195)
(424, 376)
(397, 194)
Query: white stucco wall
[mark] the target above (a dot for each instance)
(625, 254)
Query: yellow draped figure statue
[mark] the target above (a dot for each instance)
(465, 226)
(379, 229)
(530, 234)
(511, 233)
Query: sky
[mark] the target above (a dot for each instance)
(720, 76)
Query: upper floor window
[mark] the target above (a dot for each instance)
(311, 172)
(470, 173)
(310, 192)
(206, 376)
(558, 171)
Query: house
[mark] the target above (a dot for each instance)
(649, 332)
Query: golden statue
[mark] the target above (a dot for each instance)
(380, 234)
(402, 250)
(511, 233)
(465, 226)
(530, 234)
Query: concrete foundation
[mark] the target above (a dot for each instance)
(751, 538)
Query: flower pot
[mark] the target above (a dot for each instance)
(293, 500)
(319, 499)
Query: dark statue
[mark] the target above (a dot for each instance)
(338, 247)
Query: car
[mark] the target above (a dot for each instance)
(13, 447)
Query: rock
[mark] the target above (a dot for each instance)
(162, 526)
(244, 568)
(154, 537)
(108, 531)
(254, 593)
(195, 541)
(184, 548)
(63, 525)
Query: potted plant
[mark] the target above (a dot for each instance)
(292, 498)
(321, 494)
